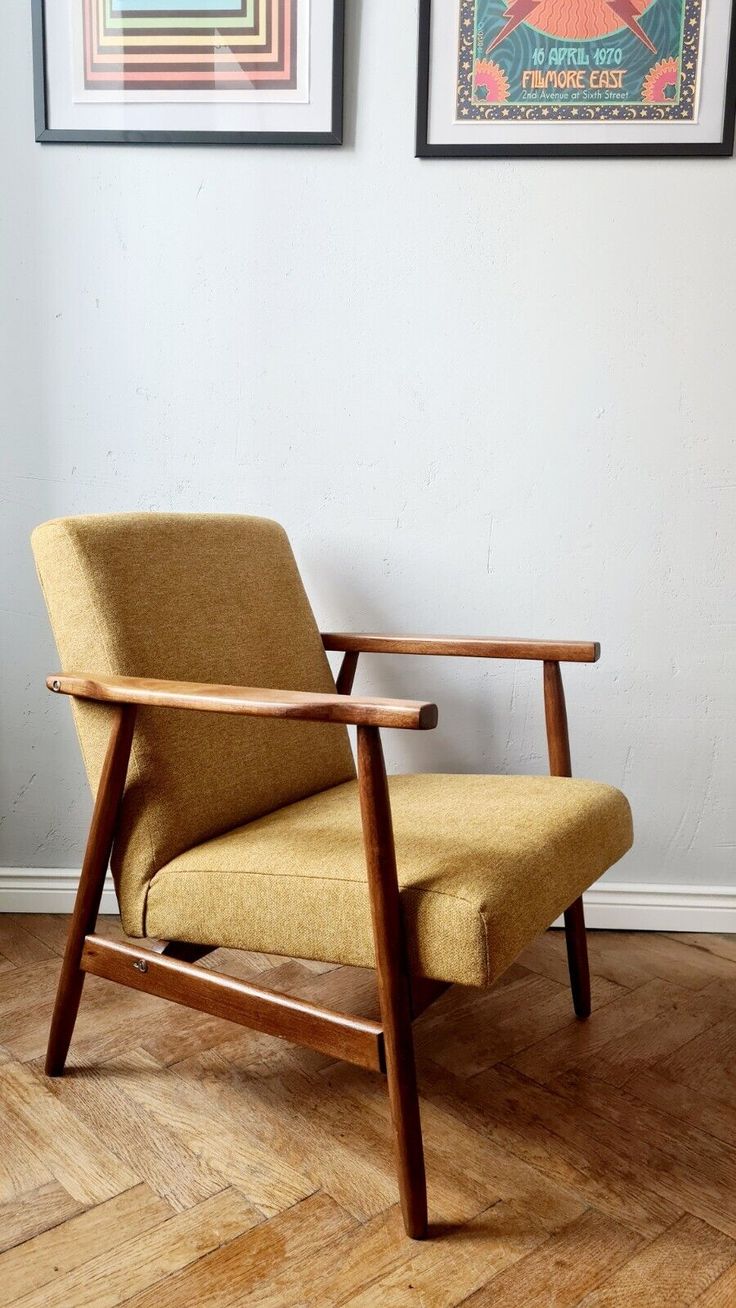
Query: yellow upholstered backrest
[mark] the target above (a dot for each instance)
(192, 598)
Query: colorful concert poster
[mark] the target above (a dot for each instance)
(577, 60)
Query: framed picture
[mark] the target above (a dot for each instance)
(576, 78)
(202, 72)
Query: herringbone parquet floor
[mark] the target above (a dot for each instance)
(184, 1161)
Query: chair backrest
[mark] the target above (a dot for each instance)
(192, 598)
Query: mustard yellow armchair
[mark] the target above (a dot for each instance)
(227, 799)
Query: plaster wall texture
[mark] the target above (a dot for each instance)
(483, 397)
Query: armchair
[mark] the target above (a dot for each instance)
(233, 814)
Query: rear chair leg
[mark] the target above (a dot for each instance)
(577, 958)
(558, 743)
(89, 894)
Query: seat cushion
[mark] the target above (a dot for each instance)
(485, 863)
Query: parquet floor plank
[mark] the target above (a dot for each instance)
(226, 1143)
(278, 1109)
(17, 944)
(667, 1273)
(685, 1166)
(562, 1269)
(650, 1042)
(721, 1293)
(230, 1276)
(22, 1171)
(442, 1273)
(555, 1137)
(707, 1064)
(24, 987)
(183, 1160)
(32, 1265)
(583, 1042)
(26, 1215)
(332, 1273)
(655, 955)
(682, 1105)
(713, 943)
(76, 1156)
(155, 1153)
(466, 1172)
(492, 1027)
(124, 1267)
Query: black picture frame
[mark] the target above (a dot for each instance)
(514, 150)
(70, 136)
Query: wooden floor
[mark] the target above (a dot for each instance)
(184, 1161)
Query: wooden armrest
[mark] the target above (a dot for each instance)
(550, 651)
(249, 701)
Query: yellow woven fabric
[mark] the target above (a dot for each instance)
(485, 863)
(192, 598)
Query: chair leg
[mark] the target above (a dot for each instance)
(394, 981)
(89, 894)
(577, 958)
(407, 1126)
(559, 765)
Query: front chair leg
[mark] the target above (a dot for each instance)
(91, 882)
(409, 1149)
(577, 958)
(394, 981)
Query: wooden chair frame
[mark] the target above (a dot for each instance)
(170, 970)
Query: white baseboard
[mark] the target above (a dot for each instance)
(638, 906)
(609, 906)
(46, 890)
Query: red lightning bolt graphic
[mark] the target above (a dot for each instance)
(516, 12)
(627, 10)
(519, 10)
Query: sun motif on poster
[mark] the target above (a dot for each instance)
(491, 78)
(576, 60)
(576, 20)
(660, 83)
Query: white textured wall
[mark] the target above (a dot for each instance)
(483, 397)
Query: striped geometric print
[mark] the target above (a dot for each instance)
(178, 45)
(170, 6)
